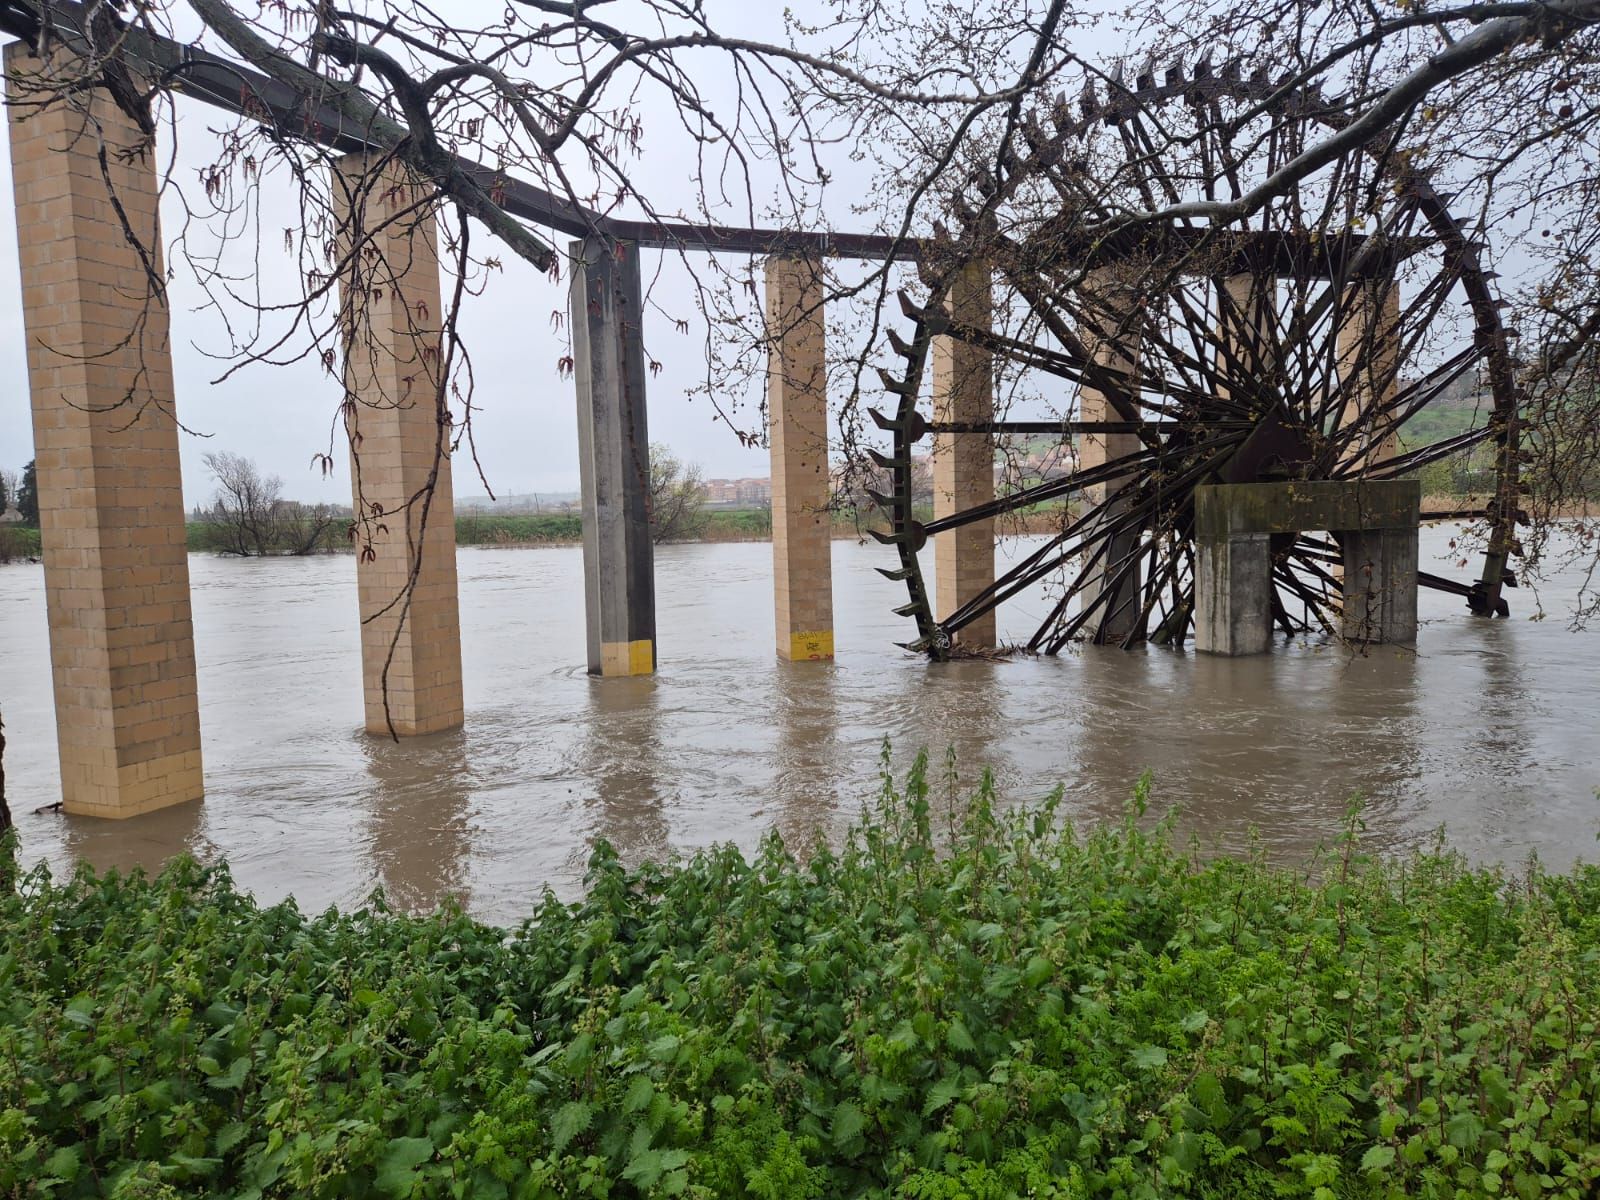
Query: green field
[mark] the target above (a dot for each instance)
(518, 529)
(18, 542)
(534, 529)
(531, 529)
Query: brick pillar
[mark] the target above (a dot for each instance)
(1368, 353)
(106, 443)
(613, 457)
(391, 311)
(797, 433)
(1108, 345)
(963, 463)
(1246, 321)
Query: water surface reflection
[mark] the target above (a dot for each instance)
(620, 759)
(417, 812)
(1488, 729)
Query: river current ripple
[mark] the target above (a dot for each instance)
(1490, 730)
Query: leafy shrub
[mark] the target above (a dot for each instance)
(996, 1007)
(738, 523)
(476, 529)
(18, 542)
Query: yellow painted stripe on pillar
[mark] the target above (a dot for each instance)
(642, 657)
(813, 645)
(628, 658)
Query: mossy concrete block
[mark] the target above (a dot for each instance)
(1376, 522)
(1233, 594)
(1222, 510)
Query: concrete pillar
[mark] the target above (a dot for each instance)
(1380, 586)
(106, 444)
(963, 463)
(1110, 304)
(797, 434)
(400, 432)
(1367, 350)
(1375, 521)
(1233, 593)
(1234, 573)
(613, 457)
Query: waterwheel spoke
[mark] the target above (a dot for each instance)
(1300, 343)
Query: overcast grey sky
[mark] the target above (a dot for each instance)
(526, 420)
(281, 416)
(526, 423)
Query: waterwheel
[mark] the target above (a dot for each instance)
(1299, 342)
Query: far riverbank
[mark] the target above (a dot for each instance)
(720, 525)
(527, 530)
(512, 530)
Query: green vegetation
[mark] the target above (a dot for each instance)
(293, 530)
(513, 529)
(18, 541)
(1467, 472)
(552, 529)
(738, 524)
(541, 528)
(1439, 422)
(521, 529)
(27, 500)
(1028, 1011)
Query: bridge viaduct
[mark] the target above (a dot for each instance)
(106, 429)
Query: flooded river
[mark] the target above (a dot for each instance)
(1491, 729)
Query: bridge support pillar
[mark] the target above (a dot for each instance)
(399, 426)
(1233, 594)
(1367, 346)
(1248, 310)
(963, 464)
(1376, 521)
(1112, 346)
(106, 446)
(613, 457)
(1380, 585)
(797, 434)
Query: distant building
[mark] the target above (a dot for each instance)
(11, 516)
(720, 491)
(738, 491)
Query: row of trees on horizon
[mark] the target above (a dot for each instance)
(248, 515)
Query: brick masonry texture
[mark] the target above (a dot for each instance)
(797, 433)
(1113, 346)
(106, 446)
(391, 309)
(963, 464)
(1368, 349)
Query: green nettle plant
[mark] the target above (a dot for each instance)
(968, 1003)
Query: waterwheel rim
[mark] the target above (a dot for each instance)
(1222, 389)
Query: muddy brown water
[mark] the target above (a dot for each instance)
(1490, 730)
